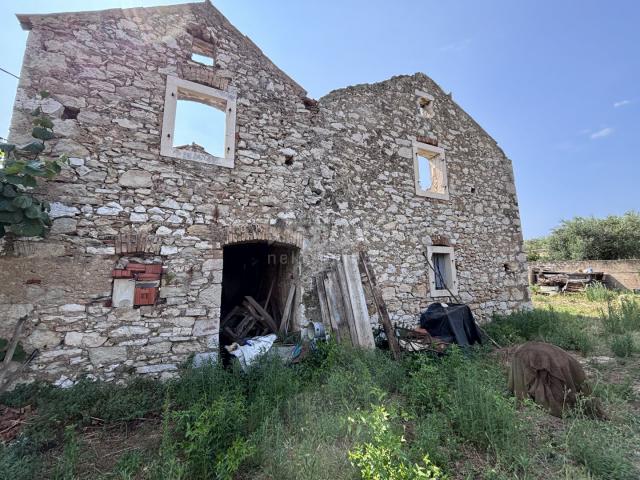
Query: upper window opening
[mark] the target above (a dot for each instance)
(425, 104)
(199, 123)
(199, 127)
(203, 59)
(430, 170)
(424, 173)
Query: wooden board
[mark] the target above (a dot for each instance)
(358, 302)
(288, 307)
(335, 301)
(381, 306)
(348, 310)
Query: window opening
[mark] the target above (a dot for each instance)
(430, 170)
(440, 264)
(199, 123)
(442, 271)
(199, 127)
(203, 59)
(424, 173)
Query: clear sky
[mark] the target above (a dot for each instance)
(555, 82)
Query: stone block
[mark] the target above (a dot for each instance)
(87, 340)
(136, 179)
(100, 356)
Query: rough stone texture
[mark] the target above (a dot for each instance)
(329, 177)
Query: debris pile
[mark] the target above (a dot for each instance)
(555, 282)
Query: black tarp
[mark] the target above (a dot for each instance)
(453, 323)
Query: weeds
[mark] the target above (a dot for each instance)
(598, 292)
(623, 345)
(382, 457)
(602, 450)
(293, 422)
(66, 467)
(560, 328)
(622, 315)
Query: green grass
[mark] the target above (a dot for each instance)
(623, 345)
(343, 414)
(566, 330)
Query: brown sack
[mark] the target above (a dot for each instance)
(548, 375)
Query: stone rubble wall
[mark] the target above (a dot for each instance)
(332, 179)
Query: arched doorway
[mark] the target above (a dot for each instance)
(258, 284)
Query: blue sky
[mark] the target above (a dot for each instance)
(556, 83)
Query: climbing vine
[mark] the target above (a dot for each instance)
(22, 213)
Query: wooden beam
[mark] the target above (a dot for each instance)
(262, 314)
(288, 307)
(381, 306)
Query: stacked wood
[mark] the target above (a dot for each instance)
(251, 318)
(566, 281)
(342, 302)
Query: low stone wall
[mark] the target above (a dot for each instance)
(618, 273)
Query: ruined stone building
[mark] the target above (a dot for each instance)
(395, 168)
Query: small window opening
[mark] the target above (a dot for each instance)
(70, 113)
(199, 127)
(203, 59)
(442, 271)
(425, 104)
(424, 173)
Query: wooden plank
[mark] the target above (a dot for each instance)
(381, 306)
(286, 315)
(346, 302)
(229, 315)
(358, 301)
(268, 319)
(336, 307)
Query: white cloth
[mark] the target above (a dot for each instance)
(254, 347)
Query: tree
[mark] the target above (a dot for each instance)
(537, 249)
(589, 238)
(21, 212)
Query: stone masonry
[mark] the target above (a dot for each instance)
(328, 177)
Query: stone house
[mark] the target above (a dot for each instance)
(395, 168)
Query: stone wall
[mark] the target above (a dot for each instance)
(618, 273)
(330, 177)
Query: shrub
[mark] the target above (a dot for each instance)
(623, 345)
(382, 457)
(208, 430)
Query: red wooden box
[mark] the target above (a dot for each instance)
(145, 296)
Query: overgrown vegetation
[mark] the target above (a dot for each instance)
(588, 238)
(341, 414)
(22, 213)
